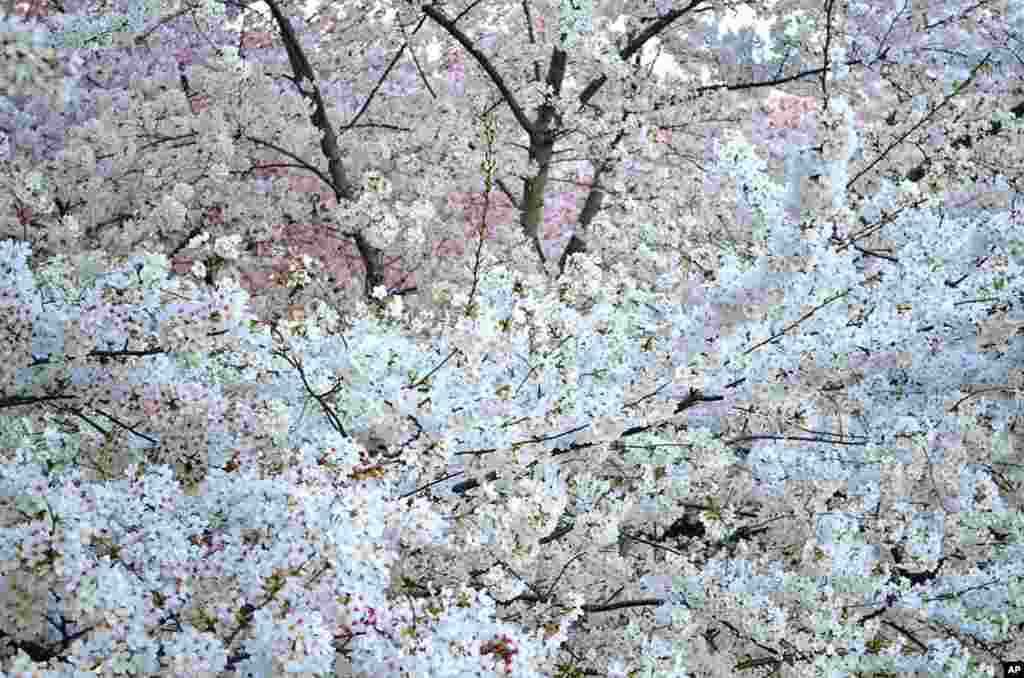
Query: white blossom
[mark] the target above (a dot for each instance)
(228, 246)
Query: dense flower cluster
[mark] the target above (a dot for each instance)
(635, 419)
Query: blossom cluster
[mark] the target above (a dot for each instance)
(790, 444)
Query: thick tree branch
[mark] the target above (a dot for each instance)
(373, 257)
(542, 146)
(302, 70)
(532, 37)
(591, 207)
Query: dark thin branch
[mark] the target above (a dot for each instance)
(795, 323)
(924, 120)
(381, 125)
(78, 413)
(557, 534)
(767, 83)
(508, 193)
(634, 46)
(965, 141)
(302, 163)
(321, 398)
(805, 439)
(652, 544)
(908, 634)
(116, 422)
(421, 488)
(434, 13)
(561, 573)
(473, 483)
(22, 401)
(625, 604)
(43, 653)
(828, 45)
(419, 69)
(185, 241)
(469, 8)
(123, 353)
(382, 78)
(610, 607)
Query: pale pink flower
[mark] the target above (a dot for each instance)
(785, 110)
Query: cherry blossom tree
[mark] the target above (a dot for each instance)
(565, 465)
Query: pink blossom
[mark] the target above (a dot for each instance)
(185, 55)
(256, 39)
(456, 72)
(786, 110)
(30, 9)
(328, 23)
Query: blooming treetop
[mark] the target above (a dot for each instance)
(567, 465)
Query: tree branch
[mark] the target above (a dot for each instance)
(434, 13)
(373, 257)
(903, 137)
(384, 76)
(635, 45)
